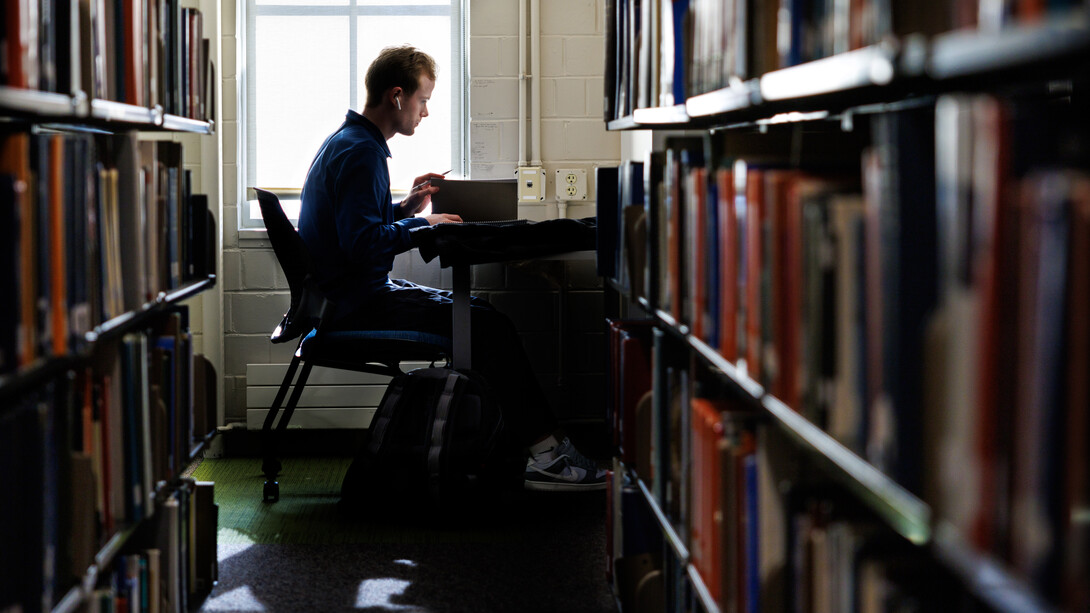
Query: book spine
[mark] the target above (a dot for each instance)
(728, 265)
(57, 245)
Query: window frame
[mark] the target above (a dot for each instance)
(249, 215)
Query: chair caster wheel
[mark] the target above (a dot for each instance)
(272, 491)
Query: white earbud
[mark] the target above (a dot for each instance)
(398, 101)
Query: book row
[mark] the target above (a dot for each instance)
(100, 450)
(149, 53)
(660, 53)
(93, 227)
(170, 563)
(753, 523)
(927, 309)
(759, 536)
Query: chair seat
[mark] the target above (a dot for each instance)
(345, 348)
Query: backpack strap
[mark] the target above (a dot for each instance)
(384, 415)
(438, 433)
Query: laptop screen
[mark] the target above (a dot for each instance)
(493, 200)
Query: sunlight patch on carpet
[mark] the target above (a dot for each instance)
(238, 600)
(380, 593)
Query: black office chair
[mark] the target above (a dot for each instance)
(371, 351)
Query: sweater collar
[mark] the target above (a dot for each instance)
(355, 118)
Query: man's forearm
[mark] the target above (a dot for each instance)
(400, 211)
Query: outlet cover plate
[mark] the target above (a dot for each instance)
(571, 184)
(531, 183)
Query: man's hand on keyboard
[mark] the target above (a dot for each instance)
(443, 218)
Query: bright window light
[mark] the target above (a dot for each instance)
(304, 68)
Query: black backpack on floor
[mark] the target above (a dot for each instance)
(437, 440)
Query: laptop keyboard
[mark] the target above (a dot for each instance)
(500, 222)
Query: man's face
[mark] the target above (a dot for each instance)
(414, 108)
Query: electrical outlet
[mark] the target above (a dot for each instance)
(571, 184)
(531, 183)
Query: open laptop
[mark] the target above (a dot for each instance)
(476, 200)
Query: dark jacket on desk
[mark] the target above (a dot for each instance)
(477, 244)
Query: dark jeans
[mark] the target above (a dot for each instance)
(498, 354)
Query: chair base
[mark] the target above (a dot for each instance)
(271, 467)
(340, 350)
(271, 492)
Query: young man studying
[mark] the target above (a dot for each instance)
(353, 230)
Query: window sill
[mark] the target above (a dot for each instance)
(253, 237)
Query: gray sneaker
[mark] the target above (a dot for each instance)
(569, 471)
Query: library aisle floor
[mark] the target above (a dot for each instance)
(544, 552)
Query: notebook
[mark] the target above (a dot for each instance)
(476, 201)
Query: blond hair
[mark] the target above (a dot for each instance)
(400, 66)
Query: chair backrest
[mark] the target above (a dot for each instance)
(292, 255)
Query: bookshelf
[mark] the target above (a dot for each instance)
(53, 108)
(881, 72)
(29, 377)
(858, 237)
(661, 116)
(103, 401)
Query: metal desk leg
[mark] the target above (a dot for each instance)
(461, 336)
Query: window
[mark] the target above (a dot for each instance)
(305, 66)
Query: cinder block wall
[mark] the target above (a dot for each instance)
(557, 305)
(572, 57)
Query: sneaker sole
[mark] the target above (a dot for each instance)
(553, 486)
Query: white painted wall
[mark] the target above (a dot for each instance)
(573, 135)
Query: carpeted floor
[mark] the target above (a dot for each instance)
(538, 552)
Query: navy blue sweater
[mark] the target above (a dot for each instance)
(348, 219)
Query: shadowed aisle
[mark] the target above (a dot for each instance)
(542, 552)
